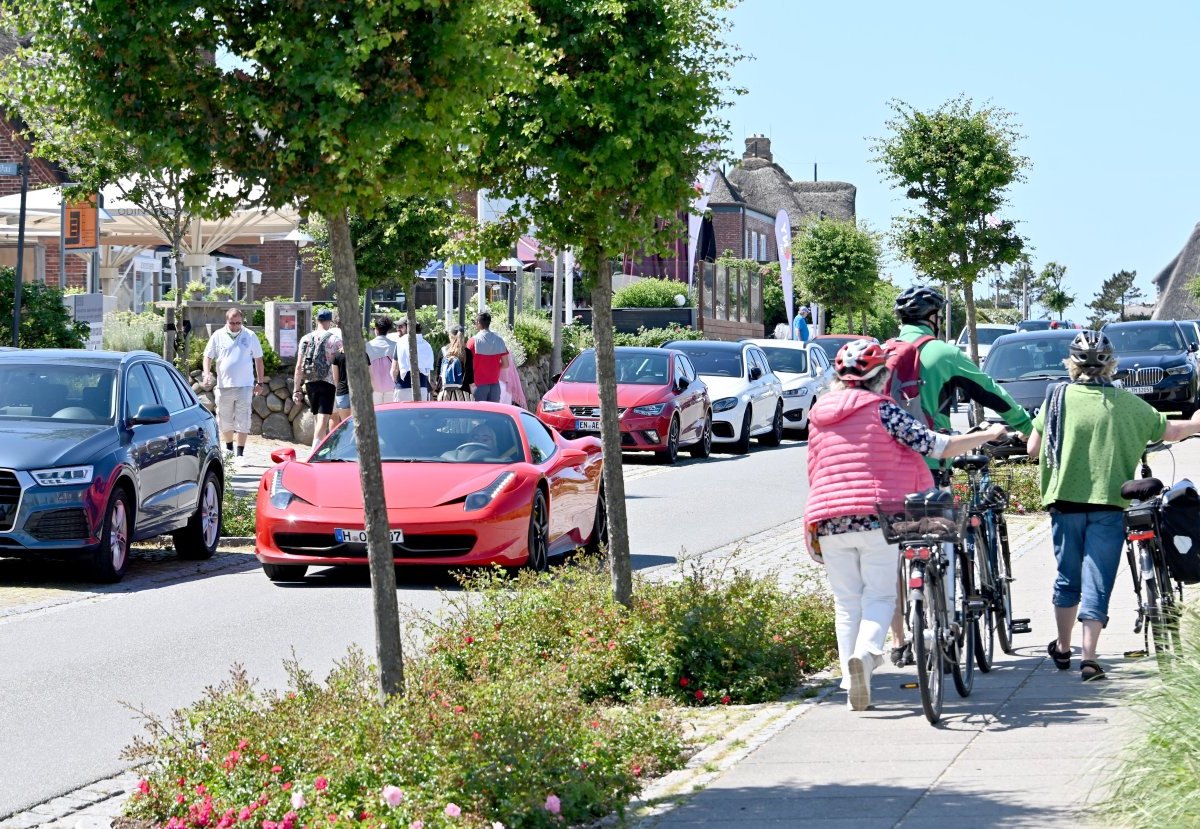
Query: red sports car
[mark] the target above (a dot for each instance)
(465, 484)
(661, 402)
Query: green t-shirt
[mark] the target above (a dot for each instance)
(1105, 431)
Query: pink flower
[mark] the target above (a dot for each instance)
(553, 804)
(144, 786)
(276, 769)
(699, 695)
(180, 799)
(287, 786)
(417, 824)
(245, 814)
(392, 796)
(498, 825)
(242, 744)
(452, 810)
(270, 824)
(298, 801)
(321, 784)
(612, 646)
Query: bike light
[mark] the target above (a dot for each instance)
(725, 404)
(916, 582)
(652, 409)
(479, 500)
(552, 405)
(919, 553)
(1145, 535)
(64, 476)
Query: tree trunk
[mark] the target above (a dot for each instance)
(972, 340)
(388, 648)
(177, 263)
(414, 374)
(864, 322)
(610, 429)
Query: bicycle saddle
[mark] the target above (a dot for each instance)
(970, 462)
(1141, 489)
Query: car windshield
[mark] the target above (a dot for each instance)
(1028, 359)
(427, 434)
(787, 360)
(82, 394)
(831, 345)
(986, 334)
(715, 362)
(1145, 338)
(1033, 325)
(633, 368)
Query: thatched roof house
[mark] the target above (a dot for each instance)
(1174, 301)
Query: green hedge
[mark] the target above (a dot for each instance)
(652, 293)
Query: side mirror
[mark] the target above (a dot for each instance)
(554, 378)
(151, 413)
(283, 455)
(682, 383)
(755, 373)
(1193, 347)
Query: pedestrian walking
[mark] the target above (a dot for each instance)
(341, 387)
(490, 357)
(800, 325)
(864, 449)
(456, 369)
(314, 372)
(381, 353)
(402, 367)
(1088, 438)
(240, 376)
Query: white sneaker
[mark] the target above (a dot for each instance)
(860, 666)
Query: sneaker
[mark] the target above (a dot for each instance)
(861, 666)
(903, 655)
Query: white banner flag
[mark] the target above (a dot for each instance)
(704, 186)
(783, 241)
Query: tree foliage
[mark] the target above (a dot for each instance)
(1116, 294)
(837, 262)
(1050, 292)
(45, 321)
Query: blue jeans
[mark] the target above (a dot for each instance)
(1087, 546)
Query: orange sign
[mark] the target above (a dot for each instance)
(81, 225)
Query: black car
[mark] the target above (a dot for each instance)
(1025, 365)
(1156, 360)
(100, 449)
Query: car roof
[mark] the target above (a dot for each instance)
(1049, 333)
(1133, 323)
(75, 356)
(764, 342)
(712, 345)
(636, 349)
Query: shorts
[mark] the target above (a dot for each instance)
(233, 408)
(341, 401)
(320, 396)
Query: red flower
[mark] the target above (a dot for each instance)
(458, 709)
(181, 782)
(594, 723)
(201, 788)
(725, 700)
(475, 735)
(683, 682)
(470, 640)
(246, 813)
(637, 771)
(144, 786)
(264, 758)
(287, 786)
(179, 798)
(699, 695)
(612, 646)
(276, 769)
(320, 784)
(242, 745)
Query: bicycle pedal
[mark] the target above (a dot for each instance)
(908, 686)
(1021, 626)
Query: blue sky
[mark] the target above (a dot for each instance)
(1105, 93)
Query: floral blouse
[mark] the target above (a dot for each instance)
(906, 430)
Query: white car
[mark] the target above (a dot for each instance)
(988, 333)
(747, 397)
(805, 372)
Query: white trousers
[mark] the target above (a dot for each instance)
(861, 568)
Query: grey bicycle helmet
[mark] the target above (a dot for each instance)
(919, 303)
(1091, 350)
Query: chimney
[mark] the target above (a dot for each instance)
(758, 146)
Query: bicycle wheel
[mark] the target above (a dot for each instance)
(961, 644)
(1162, 616)
(985, 628)
(1002, 612)
(927, 650)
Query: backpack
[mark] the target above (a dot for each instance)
(314, 359)
(452, 372)
(904, 361)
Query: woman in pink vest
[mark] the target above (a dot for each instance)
(863, 449)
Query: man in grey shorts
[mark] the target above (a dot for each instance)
(490, 358)
(239, 359)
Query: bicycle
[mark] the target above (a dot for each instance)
(1159, 590)
(987, 548)
(941, 610)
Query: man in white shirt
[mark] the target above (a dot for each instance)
(402, 367)
(239, 359)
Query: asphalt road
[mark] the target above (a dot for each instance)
(75, 677)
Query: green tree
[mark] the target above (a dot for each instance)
(328, 106)
(45, 321)
(956, 163)
(1114, 296)
(1049, 289)
(837, 262)
(603, 148)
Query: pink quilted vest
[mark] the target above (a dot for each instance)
(853, 462)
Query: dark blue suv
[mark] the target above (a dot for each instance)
(99, 449)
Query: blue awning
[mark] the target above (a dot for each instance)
(470, 271)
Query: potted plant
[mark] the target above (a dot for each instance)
(196, 289)
(221, 293)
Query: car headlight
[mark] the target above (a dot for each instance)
(652, 409)
(1183, 369)
(63, 476)
(281, 497)
(552, 405)
(801, 391)
(485, 496)
(725, 404)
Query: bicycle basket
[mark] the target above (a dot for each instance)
(905, 522)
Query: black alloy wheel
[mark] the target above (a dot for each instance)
(671, 453)
(775, 436)
(742, 445)
(703, 447)
(598, 541)
(539, 534)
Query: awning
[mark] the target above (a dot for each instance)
(470, 271)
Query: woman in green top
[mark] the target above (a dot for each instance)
(1088, 438)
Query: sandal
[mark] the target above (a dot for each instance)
(1090, 670)
(1062, 661)
(903, 655)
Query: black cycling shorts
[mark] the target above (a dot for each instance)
(320, 396)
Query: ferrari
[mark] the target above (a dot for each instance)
(464, 484)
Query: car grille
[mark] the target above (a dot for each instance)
(58, 525)
(10, 496)
(1141, 376)
(590, 411)
(425, 545)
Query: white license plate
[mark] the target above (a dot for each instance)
(360, 536)
(587, 425)
(1140, 389)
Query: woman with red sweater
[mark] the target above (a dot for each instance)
(863, 449)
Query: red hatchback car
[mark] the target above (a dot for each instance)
(661, 402)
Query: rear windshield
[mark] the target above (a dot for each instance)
(1145, 338)
(987, 336)
(83, 394)
(633, 369)
(1028, 359)
(715, 362)
(787, 360)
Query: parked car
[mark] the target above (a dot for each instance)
(465, 484)
(100, 449)
(661, 403)
(832, 343)
(805, 373)
(747, 397)
(1157, 361)
(1026, 364)
(1046, 325)
(987, 333)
